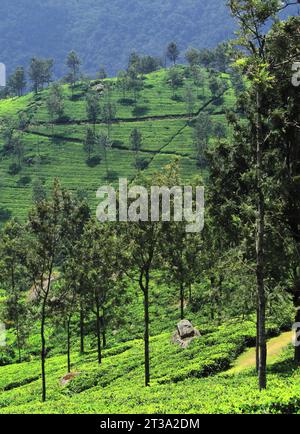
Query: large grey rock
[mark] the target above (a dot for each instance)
(185, 333)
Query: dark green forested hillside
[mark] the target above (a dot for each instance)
(106, 31)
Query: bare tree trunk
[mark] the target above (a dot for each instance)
(81, 329)
(43, 352)
(103, 330)
(181, 301)
(260, 235)
(297, 347)
(145, 289)
(219, 299)
(105, 158)
(190, 293)
(69, 344)
(98, 328)
(257, 340)
(212, 299)
(13, 285)
(43, 321)
(18, 336)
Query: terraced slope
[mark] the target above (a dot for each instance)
(183, 381)
(57, 150)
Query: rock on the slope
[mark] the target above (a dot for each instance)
(185, 333)
(67, 378)
(98, 87)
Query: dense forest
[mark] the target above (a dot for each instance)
(142, 316)
(106, 32)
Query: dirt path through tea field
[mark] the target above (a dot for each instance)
(275, 347)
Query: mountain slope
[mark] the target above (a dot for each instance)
(57, 150)
(106, 32)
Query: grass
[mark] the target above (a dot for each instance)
(275, 347)
(11, 107)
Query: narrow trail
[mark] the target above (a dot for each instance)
(275, 347)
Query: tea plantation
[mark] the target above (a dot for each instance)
(197, 379)
(56, 150)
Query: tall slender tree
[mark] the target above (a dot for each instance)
(136, 143)
(49, 221)
(73, 63)
(173, 52)
(17, 81)
(93, 108)
(142, 240)
(13, 278)
(253, 17)
(40, 73)
(89, 143)
(98, 257)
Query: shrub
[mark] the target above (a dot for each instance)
(23, 181)
(126, 101)
(111, 175)
(14, 169)
(7, 356)
(141, 163)
(94, 161)
(5, 214)
(177, 98)
(140, 111)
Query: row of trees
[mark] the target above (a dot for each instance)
(74, 265)
(219, 58)
(40, 71)
(255, 179)
(176, 77)
(107, 110)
